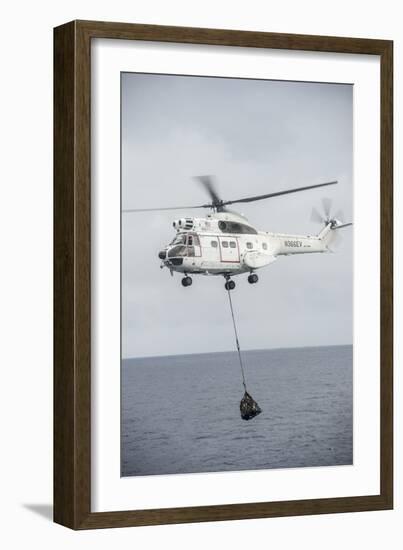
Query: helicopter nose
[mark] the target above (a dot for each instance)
(162, 255)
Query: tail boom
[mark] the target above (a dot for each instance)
(304, 244)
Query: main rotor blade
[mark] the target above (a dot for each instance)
(210, 187)
(207, 182)
(126, 211)
(278, 193)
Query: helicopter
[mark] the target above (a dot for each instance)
(224, 242)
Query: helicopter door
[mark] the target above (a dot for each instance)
(229, 249)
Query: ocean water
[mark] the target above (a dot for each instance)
(180, 414)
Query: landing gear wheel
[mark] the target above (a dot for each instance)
(229, 285)
(187, 281)
(253, 278)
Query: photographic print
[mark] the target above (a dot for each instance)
(223, 261)
(236, 274)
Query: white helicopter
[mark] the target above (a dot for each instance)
(225, 243)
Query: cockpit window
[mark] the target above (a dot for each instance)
(193, 240)
(184, 245)
(178, 251)
(179, 239)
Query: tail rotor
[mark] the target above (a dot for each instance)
(326, 218)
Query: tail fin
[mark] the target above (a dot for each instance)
(325, 236)
(328, 233)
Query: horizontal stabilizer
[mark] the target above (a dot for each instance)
(341, 225)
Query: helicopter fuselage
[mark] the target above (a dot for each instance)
(224, 243)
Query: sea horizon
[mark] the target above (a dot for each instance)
(234, 351)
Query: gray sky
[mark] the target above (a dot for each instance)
(255, 136)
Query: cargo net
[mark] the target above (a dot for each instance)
(248, 406)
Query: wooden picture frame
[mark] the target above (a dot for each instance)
(72, 270)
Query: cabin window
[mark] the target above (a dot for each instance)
(224, 244)
(264, 246)
(232, 244)
(190, 240)
(235, 227)
(214, 244)
(249, 245)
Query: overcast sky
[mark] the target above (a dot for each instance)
(255, 136)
